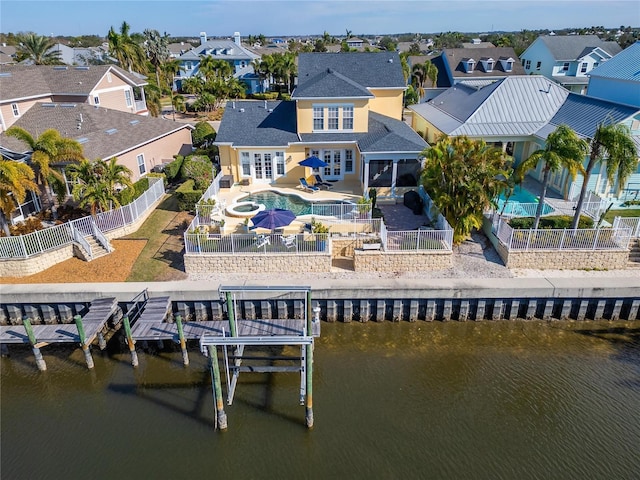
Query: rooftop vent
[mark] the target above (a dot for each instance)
(48, 105)
(82, 67)
(111, 131)
(60, 67)
(134, 122)
(390, 60)
(82, 140)
(242, 110)
(5, 74)
(68, 105)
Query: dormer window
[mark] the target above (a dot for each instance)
(487, 64)
(468, 64)
(507, 63)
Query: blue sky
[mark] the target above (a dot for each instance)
(300, 17)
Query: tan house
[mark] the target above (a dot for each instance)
(346, 110)
(105, 86)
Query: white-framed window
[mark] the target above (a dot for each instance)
(142, 168)
(318, 118)
(489, 66)
(96, 100)
(348, 161)
(188, 66)
(16, 111)
(279, 163)
(595, 64)
(538, 65)
(334, 112)
(347, 118)
(127, 97)
(245, 162)
(509, 66)
(109, 77)
(527, 64)
(565, 67)
(583, 67)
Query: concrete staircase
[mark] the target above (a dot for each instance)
(97, 249)
(634, 254)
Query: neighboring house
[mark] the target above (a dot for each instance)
(7, 54)
(517, 114)
(477, 43)
(346, 110)
(108, 86)
(140, 143)
(354, 42)
(230, 51)
(79, 56)
(618, 80)
(567, 60)
(177, 49)
(479, 65)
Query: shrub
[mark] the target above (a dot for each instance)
(264, 96)
(554, 221)
(187, 196)
(172, 170)
(128, 195)
(199, 169)
(203, 133)
(30, 225)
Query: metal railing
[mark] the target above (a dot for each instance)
(251, 244)
(516, 209)
(420, 240)
(560, 239)
(25, 246)
(628, 222)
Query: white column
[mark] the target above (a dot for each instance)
(394, 177)
(366, 175)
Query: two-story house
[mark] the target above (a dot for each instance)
(618, 80)
(345, 110)
(567, 60)
(108, 86)
(518, 113)
(229, 51)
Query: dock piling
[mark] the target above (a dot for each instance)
(309, 362)
(83, 341)
(130, 341)
(221, 417)
(183, 342)
(42, 366)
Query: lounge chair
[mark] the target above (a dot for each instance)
(321, 183)
(289, 241)
(262, 240)
(306, 186)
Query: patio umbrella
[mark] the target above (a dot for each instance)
(313, 162)
(273, 218)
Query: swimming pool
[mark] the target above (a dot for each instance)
(298, 205)
(522, 203)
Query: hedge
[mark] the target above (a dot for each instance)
(187, 196)
(128, 195)
(172, 170)
(265, 96)
(550, 222)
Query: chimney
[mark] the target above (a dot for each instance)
(203, 38)
(236, 38)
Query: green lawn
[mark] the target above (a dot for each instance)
(626, 212)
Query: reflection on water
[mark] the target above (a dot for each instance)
(423, 400)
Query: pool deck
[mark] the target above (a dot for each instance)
(341, 191)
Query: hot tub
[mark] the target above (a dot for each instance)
(244, 209)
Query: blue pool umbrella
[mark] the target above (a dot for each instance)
(273, 218)
(313, 162)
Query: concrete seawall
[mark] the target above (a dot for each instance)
(380, 300)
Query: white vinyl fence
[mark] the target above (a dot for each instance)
(25, 246)
(628, 222)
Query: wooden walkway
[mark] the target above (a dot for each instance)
(94, 321)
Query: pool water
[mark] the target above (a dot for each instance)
(522, 196)
(296, 204)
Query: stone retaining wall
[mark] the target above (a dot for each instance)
(228, 263)
(28, 266)
(566, 259)
(378, 261)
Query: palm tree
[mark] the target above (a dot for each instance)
(47, 150)
(39, 49)
(130, 55)
(611, 144)
(16, 179)
(464, 177)
(97, 182)
(156, 47)
(563, 149)
(419, 77)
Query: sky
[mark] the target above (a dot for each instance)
(310, 17)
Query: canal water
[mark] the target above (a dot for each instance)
(486, 400)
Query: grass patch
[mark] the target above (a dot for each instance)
(627, 212)
(161, 259)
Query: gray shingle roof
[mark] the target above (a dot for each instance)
(130, 130)
(572, 47)
(370, 70)
(23, 81)
(227, 50)
(454, 57)
(624, 66)
(331, 84)
(583, 114)
(250, 124)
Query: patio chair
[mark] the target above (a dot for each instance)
(306, 186)
(321, 183)
(262, 240)
(289, 241)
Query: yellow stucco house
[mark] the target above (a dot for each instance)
(346, 110)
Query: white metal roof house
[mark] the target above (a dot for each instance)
(230, 51)
(567, 60)
(618, 80)
(518, 113)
